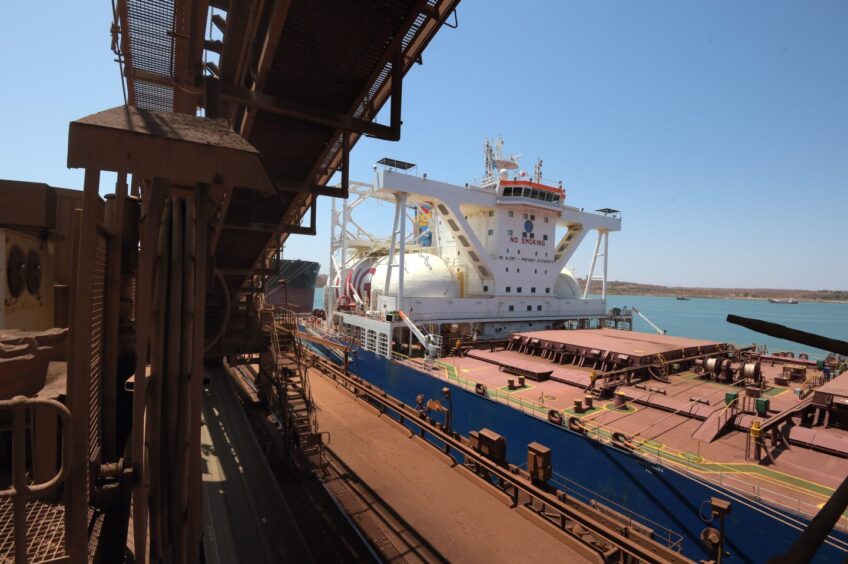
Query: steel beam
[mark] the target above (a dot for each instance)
(251, 226)
(246, 97)
(304, 230)
(220, 23)
(214, 46)
(314, 189)
(276, 22)
(412, 53)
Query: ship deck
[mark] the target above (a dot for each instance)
(662, 417)
(637, 345)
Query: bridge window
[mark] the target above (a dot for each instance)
(545, 237)
(529, 308)
(491, 231)
(546, 219)
(518, 289)
(538, 308)
(547, 290)
(533, 290)
(508, 288)
(532, 217)
(485, 288)
(511, 308)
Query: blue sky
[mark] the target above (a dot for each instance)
(720, 129)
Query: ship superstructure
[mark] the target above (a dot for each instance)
(480, 261)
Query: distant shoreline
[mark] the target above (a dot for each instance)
(619, 288)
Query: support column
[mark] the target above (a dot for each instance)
(152, 207)
(401, 206)
(592, 267)
(201, 253)
(77, 489)
(606, 249)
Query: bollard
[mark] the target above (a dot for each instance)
(619, 401)
(578, 406)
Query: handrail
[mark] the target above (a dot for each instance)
(629, 541)
(22, 492)
(719, 476)
(715, 472)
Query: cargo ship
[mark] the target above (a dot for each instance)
(293, 285)
(720, 452)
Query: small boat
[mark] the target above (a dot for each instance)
(682, 298)
(783, 301)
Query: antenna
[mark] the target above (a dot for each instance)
(537, 171)
(488, 154)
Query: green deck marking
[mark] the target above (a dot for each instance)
(507, 390)
(570, 411)
(692, 457)
(690, 460)
(686, 459)
(611, 407)
(776, 391)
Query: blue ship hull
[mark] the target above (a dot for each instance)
(754, 531)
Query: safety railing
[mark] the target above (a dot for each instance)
(717, 473)
(695, 466)
(40, 543)
(692, 465)
(558, 510)
(658, 532)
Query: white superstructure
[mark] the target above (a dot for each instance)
(480, 260)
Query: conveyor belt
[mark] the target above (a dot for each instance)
(245, 512)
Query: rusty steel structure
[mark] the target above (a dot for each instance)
(217, 163)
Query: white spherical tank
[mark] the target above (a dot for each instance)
(566, 286)
(425, 276)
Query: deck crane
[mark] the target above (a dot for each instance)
(430, 348)
(649, 322)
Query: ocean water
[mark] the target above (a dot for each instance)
(705, 318)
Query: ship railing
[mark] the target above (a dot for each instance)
(729, 477)
(489, 181)
(36, 514)
(662, 455)
(658, 532)
(724, 475)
